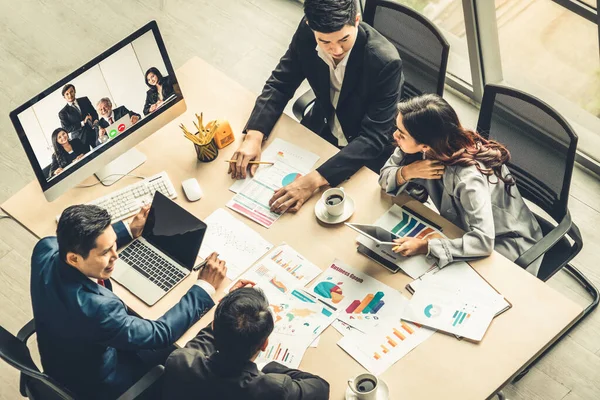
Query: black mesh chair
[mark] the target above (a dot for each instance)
(422, 47)
(37, 385)
(542, 146)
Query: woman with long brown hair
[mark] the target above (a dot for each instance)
(466, 178)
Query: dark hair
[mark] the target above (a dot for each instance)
(79, 227)
(327, 16)
(59, 150)
(430, 120)
(242, 323)
(67, 87)
(156, 72)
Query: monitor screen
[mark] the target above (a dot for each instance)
(99, 105)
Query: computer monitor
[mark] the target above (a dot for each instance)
(89, 121)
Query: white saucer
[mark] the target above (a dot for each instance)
(325, 217)
(383, 393)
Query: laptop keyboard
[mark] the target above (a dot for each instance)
(152, 265)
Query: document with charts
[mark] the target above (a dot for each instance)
(253, 200)
(361, 300)
(239, 245)
(280, 150)
(460, 312)
(388, 344)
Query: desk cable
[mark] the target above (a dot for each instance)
(99, 182)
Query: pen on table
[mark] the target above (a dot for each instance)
(253, 162)
(202, 264)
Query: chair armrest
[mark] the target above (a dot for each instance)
(303, 102)
(26, 331)
(143, 384)
(546, 243)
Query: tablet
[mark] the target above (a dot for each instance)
(376, 233)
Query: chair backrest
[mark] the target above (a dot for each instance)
(541, 142)
(39, 385)
(422, 47)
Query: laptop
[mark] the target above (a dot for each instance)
(119, 126)
(165, 253)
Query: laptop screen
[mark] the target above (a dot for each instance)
(174, 231)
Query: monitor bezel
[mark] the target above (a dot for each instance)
(46, 184)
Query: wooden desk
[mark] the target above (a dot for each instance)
(441, 367)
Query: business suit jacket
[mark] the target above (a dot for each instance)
(152, 93)
(119, 112)
(70, 120)
(85, 336)
(491, 218)
(366, 108)
(199, 371)
(78, 149)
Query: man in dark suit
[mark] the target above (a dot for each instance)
(356, 75)
(219, 362)
(78, 117)
(87, 339)
(108, 116)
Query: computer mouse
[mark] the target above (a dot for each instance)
(191, 189)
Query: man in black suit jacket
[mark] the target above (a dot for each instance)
(356, 75)
(108, 116)
(219, 362)
(78, 116)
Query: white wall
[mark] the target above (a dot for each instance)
(119, 77)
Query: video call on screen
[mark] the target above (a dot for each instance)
(98, 106)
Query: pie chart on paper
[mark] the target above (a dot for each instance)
(289, 178)
(432, 311)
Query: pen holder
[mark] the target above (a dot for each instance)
(207, 152)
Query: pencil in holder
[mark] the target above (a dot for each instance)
(207, 152)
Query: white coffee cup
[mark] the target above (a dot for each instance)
(334, 200)
(364, 386)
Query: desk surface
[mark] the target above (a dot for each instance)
(441, 367)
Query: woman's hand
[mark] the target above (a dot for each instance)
(153, 107)
(58, 171)
(424, 169)
(410, 246)
(79, 157)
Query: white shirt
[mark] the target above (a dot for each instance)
(336, 79)
(112, 115)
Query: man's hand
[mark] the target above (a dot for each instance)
(137, 225)
(249, 150)
(214, 271)
(88, 118)
(134, 119)
(410, 246)
(294, 195)
(153, 107)
(101, 132)
(424, 169)
(242, 283)
(58, 171)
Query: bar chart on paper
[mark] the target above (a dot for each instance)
(290, 261)
(286, 350)
(379, 351)
(411, 226)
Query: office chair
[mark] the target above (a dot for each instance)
(542, 146)
(37, 386)
(422, 47)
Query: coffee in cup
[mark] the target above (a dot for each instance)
(334, 200)
(364, 386)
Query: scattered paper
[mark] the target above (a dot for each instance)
(357, 297)
(253, 199)
(280, 150)
(379, 351)
(237, 244)
(286, 350)
(460, 312)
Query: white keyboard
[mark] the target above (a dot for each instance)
(128, 201)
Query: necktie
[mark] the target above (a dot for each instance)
(110, 120)
(101, 282)
(76, 107)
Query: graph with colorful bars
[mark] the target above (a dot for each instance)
(370, 304)
(411, 226)
(389, 343)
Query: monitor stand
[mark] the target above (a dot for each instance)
(120, 167)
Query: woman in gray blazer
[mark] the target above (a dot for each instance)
(467, 181)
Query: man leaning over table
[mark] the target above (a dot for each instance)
(87, 339)
(356, 75)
